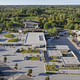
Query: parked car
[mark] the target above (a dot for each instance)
(57, 37)
(61, 34)
(52, 38)
(18, 50)
(26, 58)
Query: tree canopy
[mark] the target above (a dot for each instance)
(67, 17)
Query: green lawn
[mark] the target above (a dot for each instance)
(13, 40)
(8, 35)
(53, 60)
(29, 51)
(51, 68)
(34, 58)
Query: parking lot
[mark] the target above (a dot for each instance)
(23, 65)
(37, 66)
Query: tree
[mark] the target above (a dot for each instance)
(47, 25)
(16, 66)
(76, 26)
(53, 31)
(70, 32)
(5, 59)
(47, 78)
(0, 30)
(29, 72)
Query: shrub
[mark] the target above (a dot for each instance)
(29, 72)
(25, 32)
(70, 32)
(0, 30)
(5, 59)
(16, 66)
(47, 78)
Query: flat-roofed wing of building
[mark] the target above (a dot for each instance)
(70, 61)
(35, 39)
(54, 53)
(31, 24)
(62, 47)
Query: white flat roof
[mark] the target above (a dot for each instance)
(35, 38)
(62, 47)
(31, 22)
(78, 33)
(54, 53)
(75, 31)
(70, 60)
(78, 38)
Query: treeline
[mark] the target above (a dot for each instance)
(67, 17)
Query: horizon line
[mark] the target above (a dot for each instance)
(42, 5)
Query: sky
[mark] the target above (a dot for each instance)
(39, 2)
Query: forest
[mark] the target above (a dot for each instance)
(67, 17)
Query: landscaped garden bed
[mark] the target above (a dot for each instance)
(53, 60)
(9, 35)
(34, 58)
(51, 67)
(29, 51)
(14, 40)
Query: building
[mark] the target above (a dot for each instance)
(61, 33)
(71, 62)
(78, 38)
(62, 47)
(54, 53)
(31, 24)
(74, 31)
(35, 40)
(78, 33)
